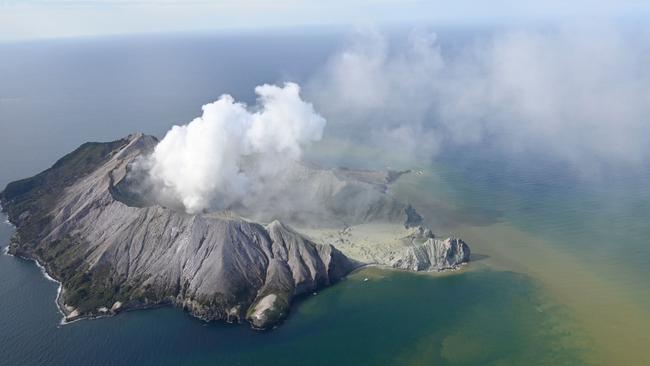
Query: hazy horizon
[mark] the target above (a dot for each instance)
(35, 19)
(421, 90)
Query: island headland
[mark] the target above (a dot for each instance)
(112, 250)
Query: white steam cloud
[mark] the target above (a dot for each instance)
(200, 164)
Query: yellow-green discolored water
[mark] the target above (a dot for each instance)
(586, 258)
(558, 277)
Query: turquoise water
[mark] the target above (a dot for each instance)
(602, 219)
(480, 317)
(583, 237)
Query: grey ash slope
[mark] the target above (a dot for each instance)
(110, 256)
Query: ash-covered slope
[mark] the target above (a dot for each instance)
(309, 196)
(110, 256)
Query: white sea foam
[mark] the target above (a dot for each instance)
(6, 218)
(49, 278)
(44, 272)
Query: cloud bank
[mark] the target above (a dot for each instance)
(201, 164)
(580, 95)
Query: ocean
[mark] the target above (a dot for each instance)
(560, 261)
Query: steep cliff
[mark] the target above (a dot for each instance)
(423, 252)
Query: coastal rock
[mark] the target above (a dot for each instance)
(266, 311)
(73, 315)
(433, 255)
(116, 306)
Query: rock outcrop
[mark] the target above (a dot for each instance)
(421, 251)
(433, 255)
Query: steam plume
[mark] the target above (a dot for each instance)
(200, 163)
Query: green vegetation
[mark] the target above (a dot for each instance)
(29, 203)
(87, 289)
(62, 256)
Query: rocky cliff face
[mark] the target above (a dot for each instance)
(113, 251)
(432, 255)
(110, 256)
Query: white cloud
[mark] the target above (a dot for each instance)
(581, 95)
(200, 164)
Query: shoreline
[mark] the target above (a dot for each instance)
(447, 271)
(48, 277)
(65, 321)
(57, 300)
(65, 312)
(43, 270)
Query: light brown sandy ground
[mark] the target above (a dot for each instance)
(372, 243)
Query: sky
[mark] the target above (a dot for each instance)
(578, 91)
(38, 19)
